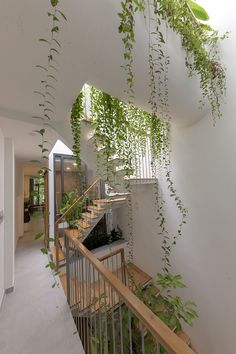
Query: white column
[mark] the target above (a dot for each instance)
(2, 285)
(9, 214)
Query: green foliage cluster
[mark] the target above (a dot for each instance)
(122, 130)
(170, 309)
(75, 214)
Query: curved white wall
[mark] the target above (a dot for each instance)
(204, 170)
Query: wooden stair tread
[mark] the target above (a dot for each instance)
(62, 242)
(74, 233)
(88, 215)
(84, 224)
(137, 276)
(95, 208)
(151, 290)
(61, 254)
(109, 201)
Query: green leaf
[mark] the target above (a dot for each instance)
(44, 250)
(38, 235)
(44, 40)
(61, 13)
(39, 93)
(55, 29)
(41, 67)
(54, 2)
(199, 12)
(41, 131)
(56, 41)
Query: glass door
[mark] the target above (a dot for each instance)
(67, 179)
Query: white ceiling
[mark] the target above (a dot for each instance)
(92, 52)
(25, 139)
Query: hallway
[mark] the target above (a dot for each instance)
(35, 319)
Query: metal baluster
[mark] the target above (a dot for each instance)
(95, 304)
(100, 317)
(121, 328)
(68, 270)
(80, 308)
(106, 310)
(84, 303)
(142, 338)
(87, 303)
(117, 266)
(113, 320)
(158, 348)
(130, 332)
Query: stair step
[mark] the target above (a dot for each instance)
(62, 242)
(95, 208)
(90, 216)
(109, 201)
(74, 233)
(151, 289)
(60, 253)
(136, 276)
(84, 224)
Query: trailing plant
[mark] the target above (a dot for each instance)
(75, 120)
(46, 94)
(199, 41)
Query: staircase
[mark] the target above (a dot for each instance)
(93, 210)
(89, 299)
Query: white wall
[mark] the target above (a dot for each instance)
(9, 213)
(19, 200)
(1, 223)
(204, 171)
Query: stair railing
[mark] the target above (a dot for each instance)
(108, 316)
(95, 187)
(115, 263)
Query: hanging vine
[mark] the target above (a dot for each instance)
(47, 91)
(46, 106)
(75, 121)
(199, 41)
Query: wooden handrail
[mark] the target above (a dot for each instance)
(77, 201)
(159, 330)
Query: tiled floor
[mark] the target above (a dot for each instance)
(35, 319)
